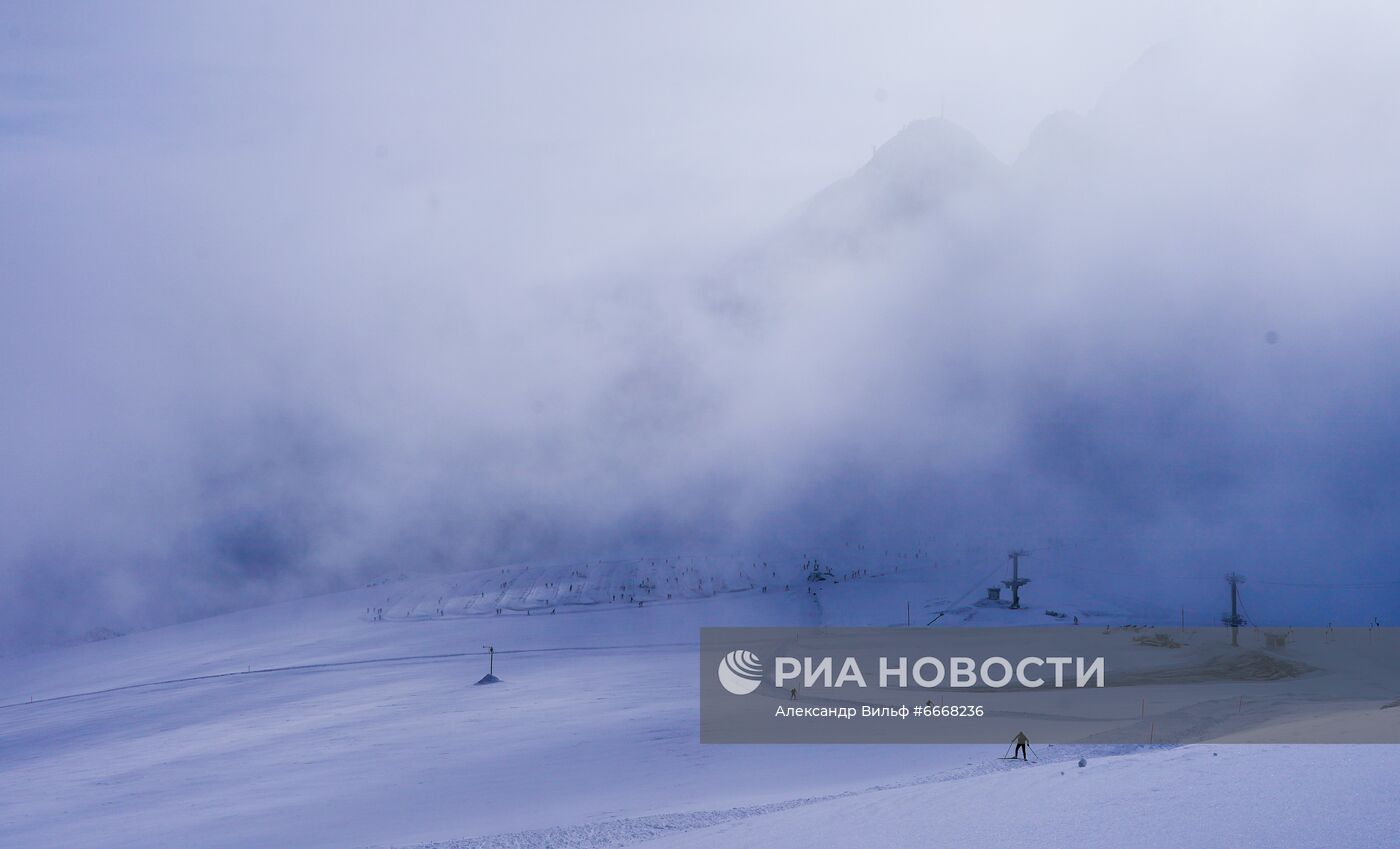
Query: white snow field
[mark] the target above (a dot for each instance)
(322, 723)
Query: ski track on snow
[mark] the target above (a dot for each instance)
(630, 831)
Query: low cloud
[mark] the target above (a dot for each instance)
(277, 324)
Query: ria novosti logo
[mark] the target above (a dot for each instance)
(740, 672)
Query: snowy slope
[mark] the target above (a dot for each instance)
(1310, 797)
(324, 723)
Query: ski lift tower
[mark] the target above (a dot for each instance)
(490, 676)
(1016, 581)
(1233, 618)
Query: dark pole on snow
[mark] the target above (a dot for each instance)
(1234, 620)
(1016, 581)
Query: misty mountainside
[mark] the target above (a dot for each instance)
(1164, 330)
(1154, 326)
(919, 176)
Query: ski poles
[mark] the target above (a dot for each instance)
(1007, 756)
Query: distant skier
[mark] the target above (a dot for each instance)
(1021, 742)
(793, 697)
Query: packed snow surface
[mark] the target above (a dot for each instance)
(351, 720)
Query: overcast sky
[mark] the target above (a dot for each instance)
(297, 293)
